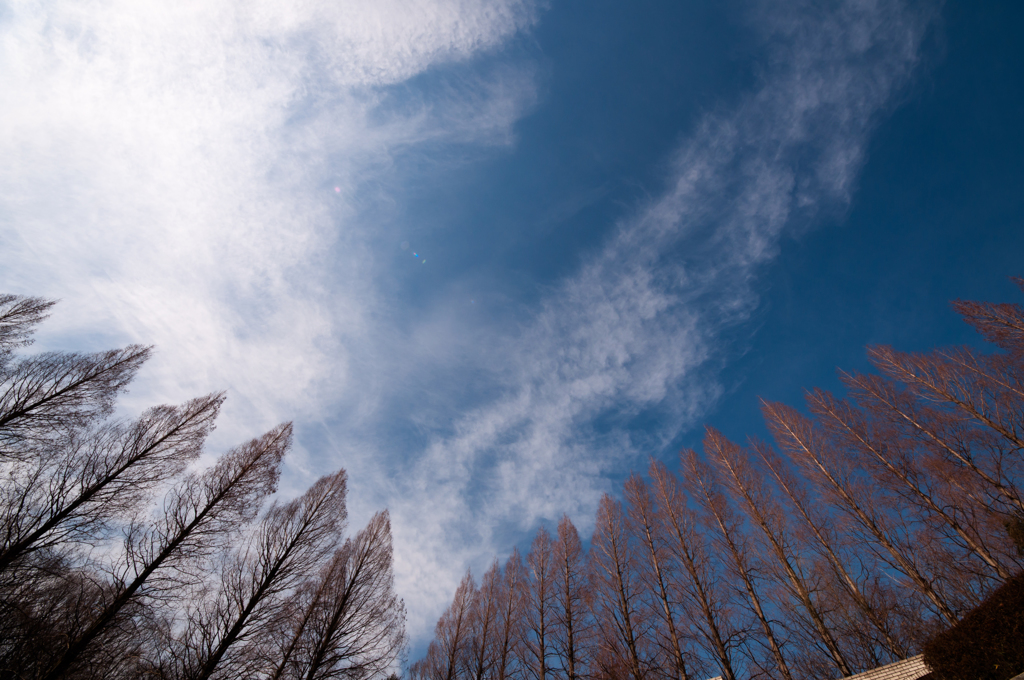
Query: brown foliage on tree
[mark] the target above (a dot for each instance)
(699, 582)
(745, 482)
(721, 521)
(448, 652)
(885, 516)
(868, 619)
(658, 572)
(616, 596)
(539, 613)
(571, 629)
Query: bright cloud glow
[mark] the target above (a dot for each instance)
(169, 167)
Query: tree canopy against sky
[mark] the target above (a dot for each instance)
(490, 256)
(120, 557)
(881, 525)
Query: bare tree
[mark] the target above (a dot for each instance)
(757, 502)
(961, 416)
(1000, 323)
(657, 571)
(199, 514)
(19, 315)
(571, 629)
(536, 641)
(348, 622)
(889, 514)
(291, 541)
(982, 453)
(616, 594)
(47, 396)
(928, 486)
(953, 503)
(66, 496)
(835, 476)
(97, 582)
(511, 617)
(38, 614)
(974, 386)
(861, 591)
(719, 518)
(699, 581)
(451, 636)
(484, 624)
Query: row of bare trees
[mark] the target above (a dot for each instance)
(119, 558)
(877, 519)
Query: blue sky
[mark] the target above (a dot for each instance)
(490, 256)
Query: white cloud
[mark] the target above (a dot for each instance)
(170, 170)
(634, 331)
(188, 174)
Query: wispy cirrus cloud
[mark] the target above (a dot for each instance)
(622, 356)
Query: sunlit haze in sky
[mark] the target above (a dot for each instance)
(492, 255)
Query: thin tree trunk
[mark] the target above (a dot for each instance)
(756, 501)
(782, 421)
(640, 505)
(260, 458)
(787, 484)
(669, 504)
(715, 506)
(611, 565)
(825, 407)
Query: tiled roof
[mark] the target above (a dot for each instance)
(908, 669)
